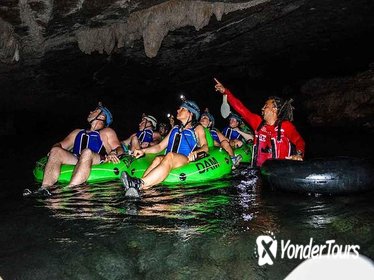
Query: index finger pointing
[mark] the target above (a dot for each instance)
(216, 81)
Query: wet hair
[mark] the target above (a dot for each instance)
(285, 108)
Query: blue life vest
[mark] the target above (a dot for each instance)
(88, 139)
(145, 136)
(231, 134)
(214, 134)
(182, 142)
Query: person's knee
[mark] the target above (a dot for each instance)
(157, 160)
(169, 157)
(86, 154)
(56, 152)
(239, 144)
(225, 144)
(170, 160)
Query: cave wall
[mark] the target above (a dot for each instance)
(341, 101)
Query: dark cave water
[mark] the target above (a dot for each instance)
(205, 232)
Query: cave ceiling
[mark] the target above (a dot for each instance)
(76, 48)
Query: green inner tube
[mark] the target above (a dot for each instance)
(103, 172)
(216, 165)
(245, 151)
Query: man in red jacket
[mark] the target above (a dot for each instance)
(274, 133)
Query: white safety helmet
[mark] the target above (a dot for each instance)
(152, 119)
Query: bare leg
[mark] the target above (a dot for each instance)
(83, 168)
(236, 143)
(135, 145)
(154, 163)
(161, 171)
(57, 157)
(225, 145)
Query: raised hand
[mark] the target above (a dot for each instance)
(219, 87)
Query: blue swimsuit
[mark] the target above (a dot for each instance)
(88, 139)
(232, 134)
(182, 142)
(145, 136)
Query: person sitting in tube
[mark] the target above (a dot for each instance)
(165, 128)
(233, 132)
(207, 121)
(82, 148)
(184, 143)
(146, 135)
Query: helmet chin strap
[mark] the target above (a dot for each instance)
(188, 121)
(148, 126)
(96, 118)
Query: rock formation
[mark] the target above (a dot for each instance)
(343, 101)
(55, 53)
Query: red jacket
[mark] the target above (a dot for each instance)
(266, 143)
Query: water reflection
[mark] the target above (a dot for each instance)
(226, 205)
(96, 202)
(205, 232)
(240, 204)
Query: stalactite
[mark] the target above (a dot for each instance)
(9, 44)
(154, 24)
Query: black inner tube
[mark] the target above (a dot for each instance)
(338, 175)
